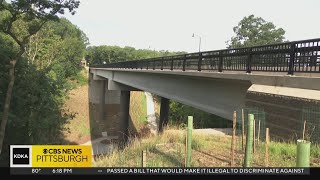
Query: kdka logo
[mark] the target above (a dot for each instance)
(20, 156)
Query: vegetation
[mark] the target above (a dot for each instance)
(110, 54)
(168, 150)
(253, 31)
(179, 112)
(138, 113)
(39, 55)
(77, 130)
(41, 81)
(19, 21)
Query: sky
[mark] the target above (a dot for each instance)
(169, 24)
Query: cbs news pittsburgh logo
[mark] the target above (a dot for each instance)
(50, 156)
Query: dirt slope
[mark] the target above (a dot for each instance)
(79, 127)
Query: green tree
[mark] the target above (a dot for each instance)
(21, 19)
(110, 54)
(179, 113)
(253, 31)
(57, 48)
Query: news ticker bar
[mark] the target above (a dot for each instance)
(159, 171)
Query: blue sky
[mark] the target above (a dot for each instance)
(169, 24)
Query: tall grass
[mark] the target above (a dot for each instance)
(138, 111)
(131, 155)
(143, 101)
(168, 150)
(80, 79)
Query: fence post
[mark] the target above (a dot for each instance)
(304, 129)
(186, 149)
(154, 64)
(291, 61)
(220, 61)
(200, 61)
(233, 142)
(144, 159)
(189, 140)
(254, 136)
(249, 63)
(184, 63)
(242, 112)
(249, 139)
(258, 132)
(267, 147)
(161, 63)
(171, 68)
(147, 64)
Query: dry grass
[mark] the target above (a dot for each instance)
(168, 150)
(79, 127)
(138, 112)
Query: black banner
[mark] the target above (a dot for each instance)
(160, 171)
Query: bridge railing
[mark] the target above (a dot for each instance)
(290, 57)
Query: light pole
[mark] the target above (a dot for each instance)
(154, 51)
(193, 35)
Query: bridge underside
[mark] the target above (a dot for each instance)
(282, 98)
(217, 96)
(216, 93)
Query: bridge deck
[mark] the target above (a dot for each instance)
(290, 57)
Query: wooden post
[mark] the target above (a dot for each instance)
(144, 158)
(233, 137)
(254, 136)
(304, 129)
(242, 130)
(258, 132)
(267, 144)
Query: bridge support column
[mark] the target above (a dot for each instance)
(124, 114)
(164, 113)
(102, 96)
(96, 103)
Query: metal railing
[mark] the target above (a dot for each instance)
(290, 57)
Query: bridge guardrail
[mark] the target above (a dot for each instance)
(290, 57)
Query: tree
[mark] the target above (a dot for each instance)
(253, 31)
(42, 83)
(112, 54)
(21, 19)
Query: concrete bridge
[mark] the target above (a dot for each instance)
(218, 82)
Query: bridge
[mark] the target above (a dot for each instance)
(217, 82)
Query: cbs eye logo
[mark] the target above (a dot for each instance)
(20, 156)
